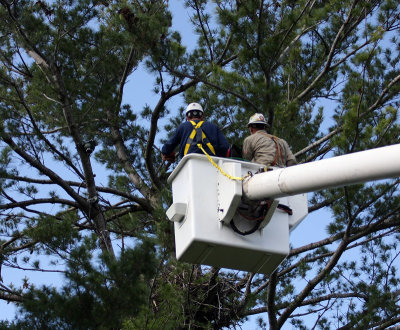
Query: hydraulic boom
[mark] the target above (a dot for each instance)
(364, 166)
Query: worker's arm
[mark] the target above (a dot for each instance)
(247, 150)
(167, 150)
(169, 158)
(290, 158)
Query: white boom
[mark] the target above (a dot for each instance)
(364, 166)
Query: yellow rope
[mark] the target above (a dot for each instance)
(219, 168)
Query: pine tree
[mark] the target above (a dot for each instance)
(326, 75)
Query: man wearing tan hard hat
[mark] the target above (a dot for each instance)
(263, 148)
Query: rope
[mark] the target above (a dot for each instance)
(219, 168)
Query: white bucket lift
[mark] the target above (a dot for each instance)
(204, 203)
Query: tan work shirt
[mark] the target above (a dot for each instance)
(266, 149)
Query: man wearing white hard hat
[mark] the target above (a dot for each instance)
(195, 131)
(266, 149)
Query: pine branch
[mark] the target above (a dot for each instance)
(271, 296)
(312, 301)
(46, 171)
(128, 68)
(125, 161)
(299, 299)
(361, 231)
(325, 203)
(199, 15)
(247, 292)
(309, 5)
(381, 96)
(38, 201)
(41, 136)
(144, 203)
(339, 36)
(319, 142)
(10, 297)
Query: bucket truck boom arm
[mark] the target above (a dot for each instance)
(358, 167)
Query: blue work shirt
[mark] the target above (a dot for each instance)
(181, 136)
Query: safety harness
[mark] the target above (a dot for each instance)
(197, 137)
(278, 153)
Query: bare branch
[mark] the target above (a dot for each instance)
(319, 142)
(327, 67)
(38, 201)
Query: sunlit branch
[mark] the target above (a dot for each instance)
(319, 142)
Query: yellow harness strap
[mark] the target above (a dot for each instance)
(219, 168)
(203, 137)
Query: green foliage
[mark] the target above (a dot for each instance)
(96, 295)
(52, 232)
(165, 312)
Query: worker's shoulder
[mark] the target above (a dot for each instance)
(186, 125)
(282, 140)
(248, 138)
(265, 135)
(261, 136)
(207, 125)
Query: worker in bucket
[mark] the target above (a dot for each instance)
(195, 131)
(263, 148)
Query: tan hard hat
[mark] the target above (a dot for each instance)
(257, 118)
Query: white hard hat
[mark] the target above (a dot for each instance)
(193, 107)
(257, 118)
